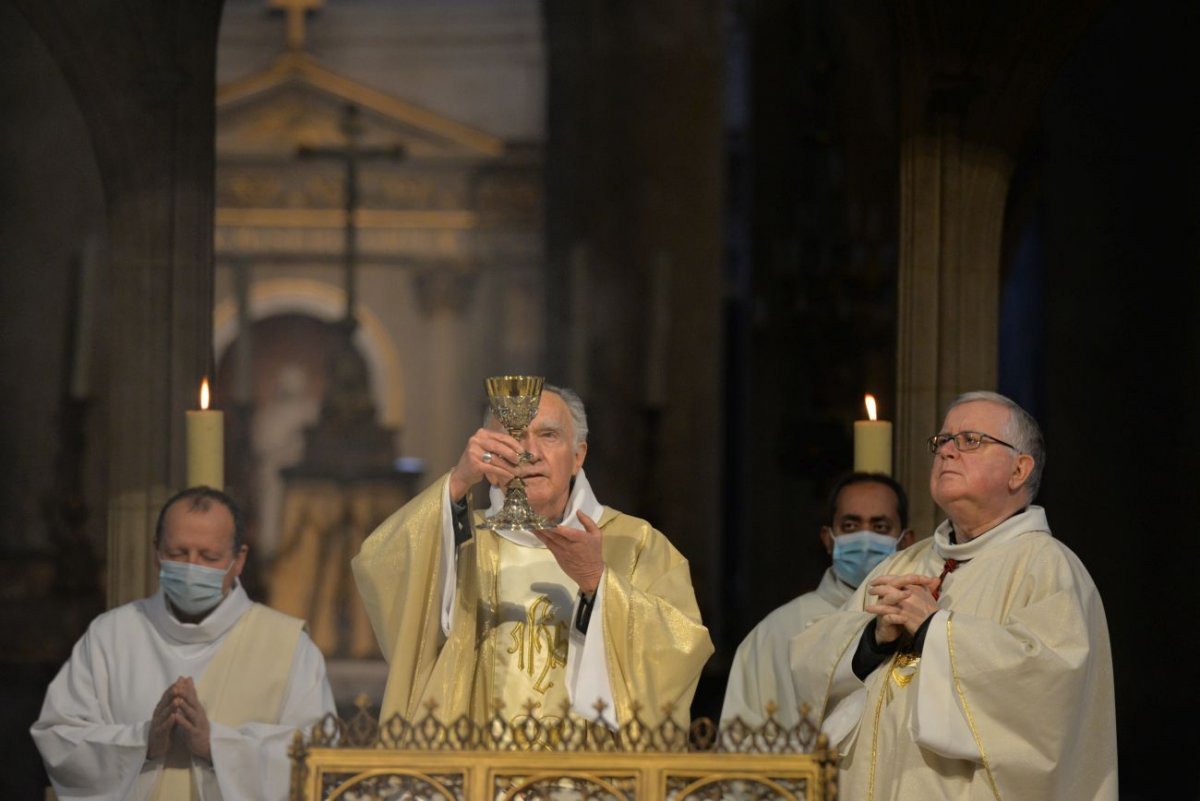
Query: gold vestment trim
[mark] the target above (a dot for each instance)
(963, 699)
(884, 691)
(540, 631)
(904, 660)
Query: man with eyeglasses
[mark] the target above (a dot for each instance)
(975, 663)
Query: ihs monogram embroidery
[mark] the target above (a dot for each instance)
(540, 633)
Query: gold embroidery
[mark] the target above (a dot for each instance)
(885, 696)
(904, 668)
(962, 698)
(539, 632)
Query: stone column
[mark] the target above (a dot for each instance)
(633, 214)
(972, 80)
(443, 294)
(143, 74)
(952, 209)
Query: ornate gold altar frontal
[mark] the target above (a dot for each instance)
(527, 758)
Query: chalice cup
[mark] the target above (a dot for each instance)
(514, 402)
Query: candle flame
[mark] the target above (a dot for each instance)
(204, 394)
(870, 399)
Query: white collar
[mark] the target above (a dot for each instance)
(1032, 519)
(581, 499)
(220, 620)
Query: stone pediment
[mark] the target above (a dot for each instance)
(297, 102)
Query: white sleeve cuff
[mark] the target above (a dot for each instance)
(446, 565)
(587, 666)
(845, 705)
(939, 722)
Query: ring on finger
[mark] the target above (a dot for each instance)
(487, 457)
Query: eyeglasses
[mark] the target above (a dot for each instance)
(966, 441)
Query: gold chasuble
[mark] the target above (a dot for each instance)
(510, 629)
(533, 626)
(243, 683)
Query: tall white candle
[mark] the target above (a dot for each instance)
(205, 444)
(872, 442)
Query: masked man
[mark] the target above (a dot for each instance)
(194, 692)
(597, 611)
(868, 521)
(975, 664)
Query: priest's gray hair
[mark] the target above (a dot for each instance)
(1021, 430)
(575, 407)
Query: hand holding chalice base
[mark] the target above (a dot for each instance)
(514, 402)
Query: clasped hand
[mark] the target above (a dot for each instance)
(902, 604)
(179, 706)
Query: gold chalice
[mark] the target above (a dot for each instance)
(514, 402)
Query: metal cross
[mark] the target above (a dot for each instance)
(350, 155)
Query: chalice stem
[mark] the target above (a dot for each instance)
(514, 402)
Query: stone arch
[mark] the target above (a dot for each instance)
(327, 303)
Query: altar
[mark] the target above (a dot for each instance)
(557, 760)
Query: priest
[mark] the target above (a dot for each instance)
(976, 663)
(596, 612)
(868, 521)
(194, 692)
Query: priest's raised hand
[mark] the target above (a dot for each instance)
(598, 606)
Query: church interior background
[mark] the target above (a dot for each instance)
(721, 221)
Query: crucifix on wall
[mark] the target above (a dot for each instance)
(350, 155)
(347, 481)
(297, 12)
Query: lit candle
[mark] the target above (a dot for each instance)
(205, 444)
(872, 443)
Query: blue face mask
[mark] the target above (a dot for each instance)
(856, 554)
(193, 589)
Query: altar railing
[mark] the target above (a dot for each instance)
(559, 759)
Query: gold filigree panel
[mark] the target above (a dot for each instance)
(558, 785)
(465, 760)
(393, 785)
(357, 774)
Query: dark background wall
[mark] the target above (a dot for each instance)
(813, 327)
(1111, 182)
(49, 195)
